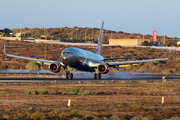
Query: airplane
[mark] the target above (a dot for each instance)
(83, 60)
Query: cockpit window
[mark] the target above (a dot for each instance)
(67, 52)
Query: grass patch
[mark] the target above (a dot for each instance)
(37, 116)
(39, 91)
(136, 107)
(170, 71)
(76, 90)
(3, 93)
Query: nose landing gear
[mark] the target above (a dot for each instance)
(97, 75)
(68, 74)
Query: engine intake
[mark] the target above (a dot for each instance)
(55, 67)
(103, 68)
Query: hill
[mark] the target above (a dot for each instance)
(79, 34)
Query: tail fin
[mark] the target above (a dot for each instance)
(98, 49)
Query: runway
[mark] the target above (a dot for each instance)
(130, 77)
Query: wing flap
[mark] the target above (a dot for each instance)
(118, 58)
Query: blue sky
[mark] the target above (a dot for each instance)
(119, 15)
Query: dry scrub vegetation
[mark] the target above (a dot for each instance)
(99, 101)
(79, 34)
(53, 52)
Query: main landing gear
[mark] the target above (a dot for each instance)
(68, 74)
(97, 75)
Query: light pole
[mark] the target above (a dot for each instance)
(92, 36)
(85, 36)
(164, 37)
(72, 33)
(44, 32)
(143, 35)
(20, 28)
(111, 34)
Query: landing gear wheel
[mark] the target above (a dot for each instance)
(99, 76)
(95, 76)
(67, 75)
(71, 75)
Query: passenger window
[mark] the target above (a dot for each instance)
(68, 52)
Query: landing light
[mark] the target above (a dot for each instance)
(90, 63)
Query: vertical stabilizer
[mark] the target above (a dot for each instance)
(98, 49)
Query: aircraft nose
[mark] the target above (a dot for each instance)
(65, 60)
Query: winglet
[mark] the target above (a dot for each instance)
(173, 54)
(4, 49)
(98, 49)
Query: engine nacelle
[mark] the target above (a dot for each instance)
(55, 67)
(103, 68)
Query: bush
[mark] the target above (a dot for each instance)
(29, 109)
(167, 111)
(77, 90)
(145, 43)
(137, 106)
(174, 118)
(3, 93)
(28, 92)
(119, 105)
(37, 116)
(74, 112)
(75, 118)
(6, 117)
(39, 91)
(55, 112)
(62, 116)
(170, 71)
(115, 117)
(102, 92)
(85, 93)
(7, 110)
(32, 66)
(34, 92)
(42, 91)
(79, 113)
(142, 118)
(90, 116)
(3, 66)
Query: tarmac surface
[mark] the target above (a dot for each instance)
(128, 77)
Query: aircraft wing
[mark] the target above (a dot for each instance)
(32, 59)
(138, 61)
(133, 62)
(111, 64)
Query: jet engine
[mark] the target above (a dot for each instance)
(55, 67)
(103, 68)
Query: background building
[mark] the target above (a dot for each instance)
(132, 42)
